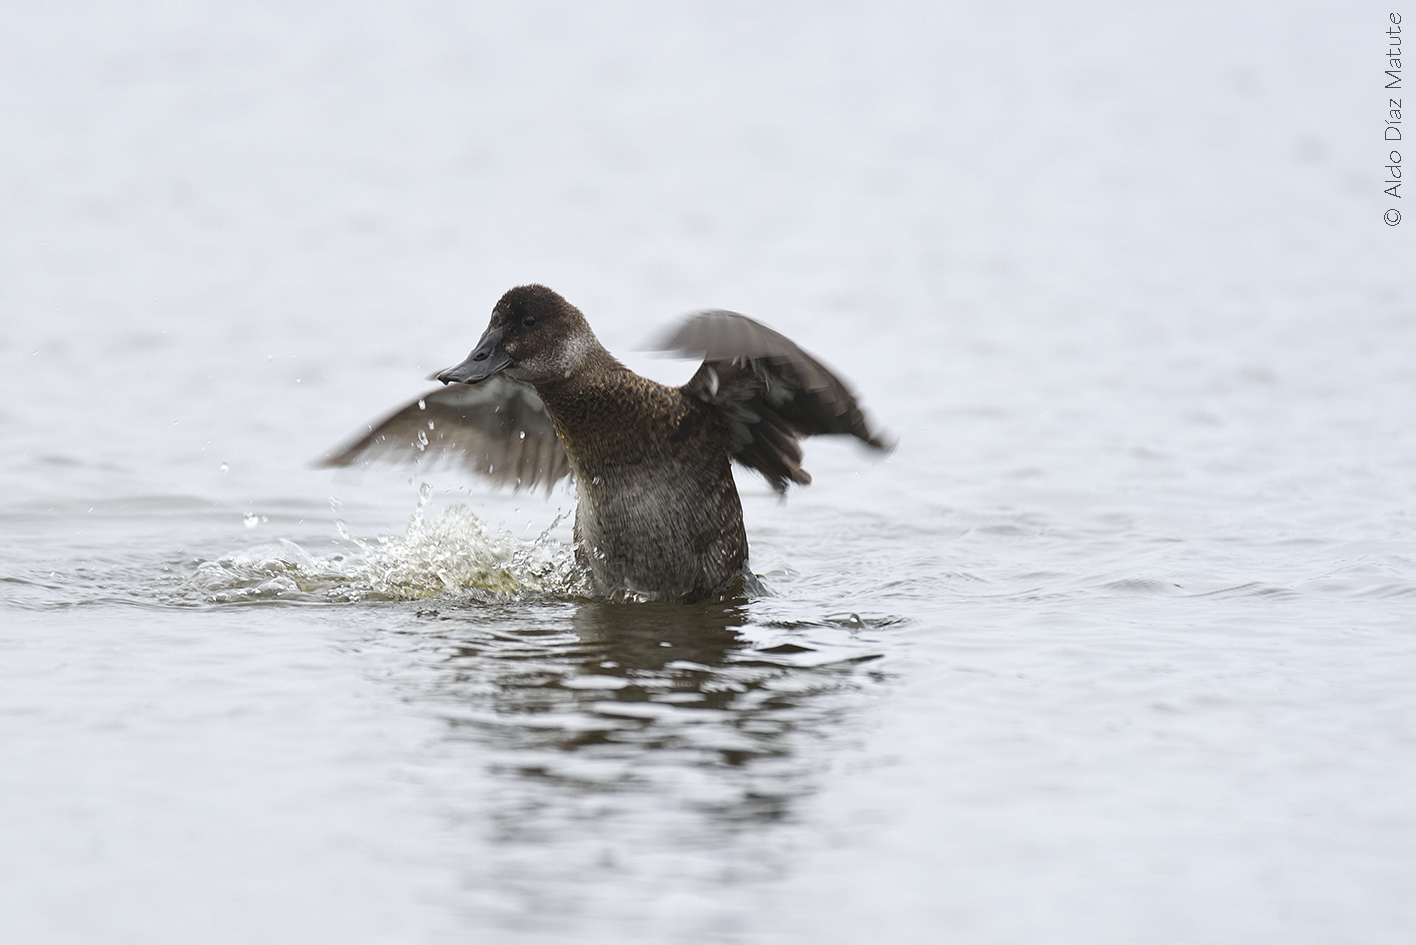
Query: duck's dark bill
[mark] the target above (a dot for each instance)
(486, 359)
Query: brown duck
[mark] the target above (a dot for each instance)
(658, 515)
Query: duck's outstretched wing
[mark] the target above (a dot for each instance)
(770, 391)
(497, 428)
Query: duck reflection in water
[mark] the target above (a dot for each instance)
(669, 706)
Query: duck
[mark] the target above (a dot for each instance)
(658, 516)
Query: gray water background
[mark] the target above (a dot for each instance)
(1116, 647)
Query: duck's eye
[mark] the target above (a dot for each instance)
(529, 320)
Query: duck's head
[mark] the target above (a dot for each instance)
(535, 336)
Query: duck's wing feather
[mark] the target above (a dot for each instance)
(497, 428)
(771, 392)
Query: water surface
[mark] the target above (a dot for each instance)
(1116, 647)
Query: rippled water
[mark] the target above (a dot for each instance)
(1116, 647)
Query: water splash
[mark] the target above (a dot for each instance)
(452, 555)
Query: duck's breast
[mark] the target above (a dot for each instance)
(670, 528)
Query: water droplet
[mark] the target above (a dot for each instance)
(251, 519)
(422, 440)
(522, 434)
(224, 467)
(430, 424)
(422, 405)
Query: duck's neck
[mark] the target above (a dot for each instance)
(569, 392)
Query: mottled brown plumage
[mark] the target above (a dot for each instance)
(658, 515)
